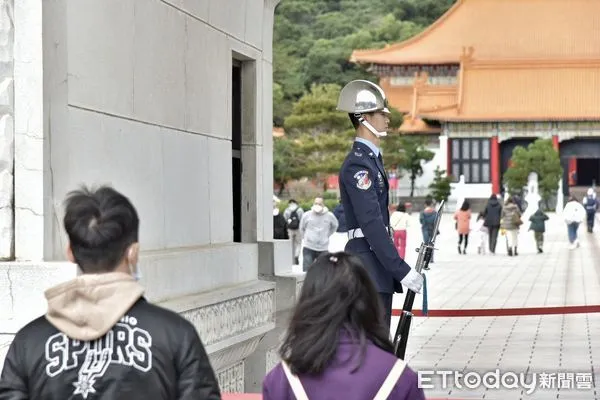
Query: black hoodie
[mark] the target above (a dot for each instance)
(492, 213)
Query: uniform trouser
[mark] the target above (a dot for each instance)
(386, 303)
(296, 238)
(590, 220)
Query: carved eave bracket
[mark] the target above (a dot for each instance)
(418, 85)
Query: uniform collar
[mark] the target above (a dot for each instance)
(369, 144)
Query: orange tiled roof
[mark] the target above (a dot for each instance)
(398, 97)
(501, 29)
(417, 126)
(511, 90)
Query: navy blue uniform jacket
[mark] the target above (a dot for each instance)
(364, 193)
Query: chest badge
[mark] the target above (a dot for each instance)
(363, 182)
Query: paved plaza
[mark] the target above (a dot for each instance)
(565, 346)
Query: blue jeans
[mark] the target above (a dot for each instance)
(309, 256)
(572, 229)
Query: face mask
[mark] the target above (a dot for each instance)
(318, 209)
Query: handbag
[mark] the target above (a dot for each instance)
(516, 220)
(383, 393)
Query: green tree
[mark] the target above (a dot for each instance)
(313, 40)
(322, 154)
(540, 157)
(318, 137)
(281, 107)
(414, 154)
(285, 162)
(315, 112)
(440, 187)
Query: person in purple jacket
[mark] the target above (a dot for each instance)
(337, 345)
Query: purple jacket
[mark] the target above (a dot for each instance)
(337, 382)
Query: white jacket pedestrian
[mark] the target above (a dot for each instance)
(573, 214)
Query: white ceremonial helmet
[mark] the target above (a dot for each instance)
(360, 97)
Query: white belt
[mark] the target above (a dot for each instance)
(355, 233)
(358, 233)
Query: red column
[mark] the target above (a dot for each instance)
(449, 158)
(495, 164)
(555, 142)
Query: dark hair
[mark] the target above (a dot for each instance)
(354, 120)
(101, 225)
(292, 201)
(401, 207)
(337, 295)
(428, 202)
(465, 206)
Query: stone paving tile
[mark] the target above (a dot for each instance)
(519, 344)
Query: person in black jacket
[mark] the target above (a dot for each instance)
(280, 229)
(492, 215)
(100, 338)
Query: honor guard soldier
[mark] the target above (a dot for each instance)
(364, 193)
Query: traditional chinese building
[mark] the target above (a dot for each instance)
(496, 74)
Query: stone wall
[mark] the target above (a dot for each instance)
(6, 130)
(137, 94)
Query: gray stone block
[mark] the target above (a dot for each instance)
(274, 257)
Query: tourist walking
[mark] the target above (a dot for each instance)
(573, 215)
(463, 226)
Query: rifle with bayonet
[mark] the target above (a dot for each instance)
(425, 252)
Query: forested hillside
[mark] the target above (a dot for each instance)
(313, 40)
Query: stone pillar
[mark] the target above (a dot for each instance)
(6, 131)
(29, 136)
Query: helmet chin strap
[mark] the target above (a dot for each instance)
(370, 127)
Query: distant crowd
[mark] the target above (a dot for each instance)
(320, 230)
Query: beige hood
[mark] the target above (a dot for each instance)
(88, 306)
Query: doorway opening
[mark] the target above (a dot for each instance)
(588, 171)
(236, 148)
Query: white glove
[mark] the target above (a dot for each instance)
(413, 280)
